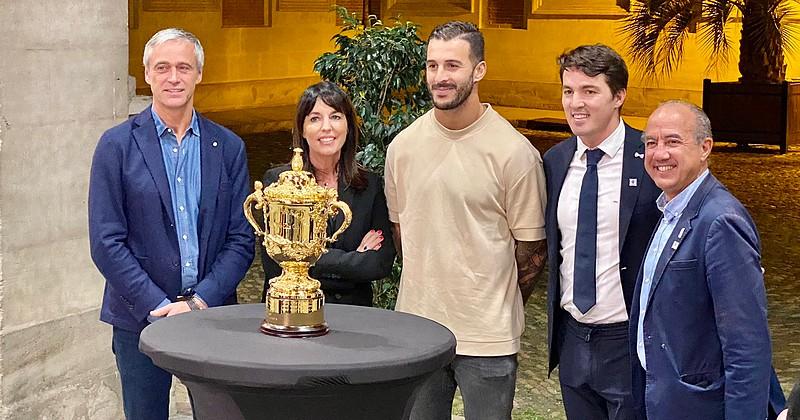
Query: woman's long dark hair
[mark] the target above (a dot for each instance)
(350, 172)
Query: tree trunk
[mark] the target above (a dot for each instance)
(761, 52)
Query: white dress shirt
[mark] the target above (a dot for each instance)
(610, 306)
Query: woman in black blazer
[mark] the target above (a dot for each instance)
(326, 130)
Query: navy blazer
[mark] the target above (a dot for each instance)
(707, 341)
(132, 226)
(638, 216)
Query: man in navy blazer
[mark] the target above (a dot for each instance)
(166, 225)
(698, 332)
(591, 345)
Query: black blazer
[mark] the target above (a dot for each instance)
(345, 273)
(638, 216)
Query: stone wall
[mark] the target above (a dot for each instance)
(63, 81)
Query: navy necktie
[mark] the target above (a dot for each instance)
(584, 293)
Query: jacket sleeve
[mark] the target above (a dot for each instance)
(736, 284)
(108, 233)
(233, 260)
(366, 266)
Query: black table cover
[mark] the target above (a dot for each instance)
(367, 367)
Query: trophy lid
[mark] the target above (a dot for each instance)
(297, 186)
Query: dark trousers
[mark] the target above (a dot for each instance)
(145, 387)
(595, 371)
(486, 384)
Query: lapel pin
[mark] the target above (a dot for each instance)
(214, 143)
(675, 245)
(632, 182)
(680, 234)
(638, 155)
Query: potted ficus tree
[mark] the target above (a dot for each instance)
(382, 68)
(753, 109)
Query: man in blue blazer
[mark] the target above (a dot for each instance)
(698, 332)
(166, 225)
(590, 288)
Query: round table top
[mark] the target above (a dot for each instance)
(364, 345)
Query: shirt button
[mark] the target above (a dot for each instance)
(188, 263)
(663, 346)
(180, 179)
(174, 150)
(181, 208)
(185, 236)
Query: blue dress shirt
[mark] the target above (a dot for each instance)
(182, 163)
(672, 210)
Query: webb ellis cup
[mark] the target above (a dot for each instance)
(296, 212)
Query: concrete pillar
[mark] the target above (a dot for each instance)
(63, 81)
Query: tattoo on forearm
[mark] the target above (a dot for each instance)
(531, 257)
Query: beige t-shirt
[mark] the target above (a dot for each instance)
(462, 198)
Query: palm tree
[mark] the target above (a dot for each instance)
(657, 30)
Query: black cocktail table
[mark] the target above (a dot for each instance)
(367, 367)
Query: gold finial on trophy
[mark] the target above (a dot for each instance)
(297, 159)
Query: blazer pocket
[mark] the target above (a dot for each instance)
(701, 381)
(682, 264)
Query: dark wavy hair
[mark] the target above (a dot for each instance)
(593, 60)
(350, 172)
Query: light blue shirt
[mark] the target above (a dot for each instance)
(182, 163)
(672, 209)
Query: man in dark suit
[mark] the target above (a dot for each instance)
(698, 329)
(600, 213)
(166, 225)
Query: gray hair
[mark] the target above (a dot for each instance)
(170, 34)
(702, 125)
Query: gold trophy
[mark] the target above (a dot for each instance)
(296, 212)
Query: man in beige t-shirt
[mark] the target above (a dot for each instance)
(467, 192)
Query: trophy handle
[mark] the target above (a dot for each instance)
(348, 217)
(256, 197)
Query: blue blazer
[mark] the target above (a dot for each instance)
(707, 342)
(132, 226)
(638, 216)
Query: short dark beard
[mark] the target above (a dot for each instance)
(462, 93)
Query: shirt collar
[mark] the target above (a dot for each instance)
(194, 125)
(675, 207)
(611, 145)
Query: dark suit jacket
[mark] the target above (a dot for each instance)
(132, 226)
(638, 216)
(706, 337)
(345, 273)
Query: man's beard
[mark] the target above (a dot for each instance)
(462, 93)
